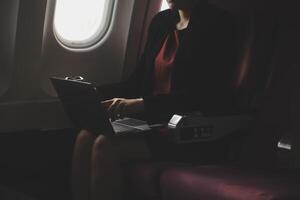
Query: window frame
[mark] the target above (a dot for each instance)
(95, 39)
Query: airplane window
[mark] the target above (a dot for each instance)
(81, 23)
(164, 5)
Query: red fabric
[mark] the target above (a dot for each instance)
(164, 63)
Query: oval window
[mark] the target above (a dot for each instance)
(81, 23)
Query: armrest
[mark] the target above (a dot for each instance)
(197, 128)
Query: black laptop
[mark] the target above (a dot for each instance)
(82, 103)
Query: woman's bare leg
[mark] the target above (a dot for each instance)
(107, 156)
(81, 168)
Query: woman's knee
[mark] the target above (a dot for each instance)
(85, 136)
(101, 144)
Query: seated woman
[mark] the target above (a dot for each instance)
(188, 65)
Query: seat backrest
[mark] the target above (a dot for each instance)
(268, 77)
(280, 110)
(257, 45)
(255, 63)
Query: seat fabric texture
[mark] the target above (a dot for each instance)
(232, 183)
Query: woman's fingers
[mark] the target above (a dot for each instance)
(107, 103)
(119, 110)
(115, 108)
(119, 107)
(111, 109)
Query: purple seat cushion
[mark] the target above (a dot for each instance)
(221, 182)
(142, 180)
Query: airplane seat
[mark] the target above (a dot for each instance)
(288, 147)
(226, 182)
(267, 158)
(272, 169)
(268, 167)
(280, 114)
(257, 48)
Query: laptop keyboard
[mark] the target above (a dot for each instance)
(118, 128)
(131, 122)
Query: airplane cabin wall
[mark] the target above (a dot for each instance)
(30, 54)
(28, 101)
(8, 19)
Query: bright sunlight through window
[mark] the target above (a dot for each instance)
(81, 23)
(164, 5)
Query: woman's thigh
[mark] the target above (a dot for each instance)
(123, 148)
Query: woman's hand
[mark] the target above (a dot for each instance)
(120, 107)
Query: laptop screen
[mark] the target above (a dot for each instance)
(82, 104)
